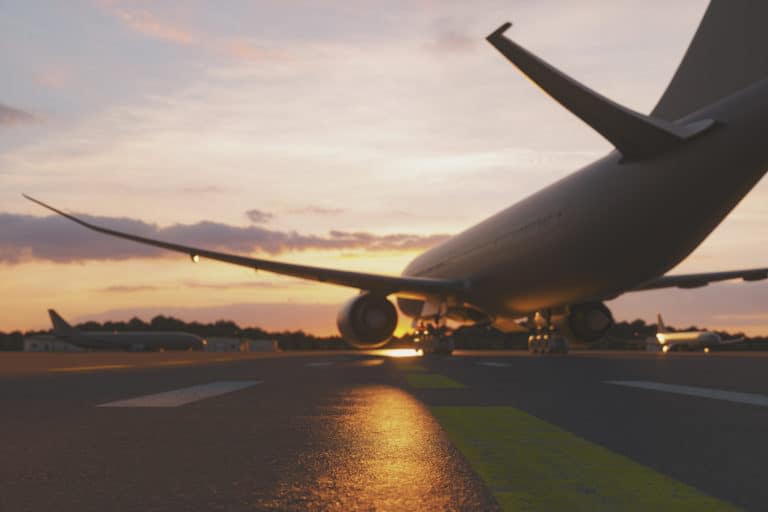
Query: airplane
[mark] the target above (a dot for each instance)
(667, 341)
(133, 341)
(554, 258)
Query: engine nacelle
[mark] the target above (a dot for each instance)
(585, 322)
(367, 321)
(589, 322)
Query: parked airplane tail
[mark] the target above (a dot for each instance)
(660, 327)
(726, 55)
(60, 326)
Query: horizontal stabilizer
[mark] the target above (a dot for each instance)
(633, 134)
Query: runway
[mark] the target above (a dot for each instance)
(358, 431)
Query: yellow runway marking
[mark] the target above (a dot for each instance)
(91, 368)
(408, 365)
(431, 381)
(530, 464)
(175, 363)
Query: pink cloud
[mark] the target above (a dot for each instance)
(53, 76)
(147, 23)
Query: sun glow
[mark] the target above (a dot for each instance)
(397, 352)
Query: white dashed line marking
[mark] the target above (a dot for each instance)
(715, 394)
(494, 364)
(184, 396)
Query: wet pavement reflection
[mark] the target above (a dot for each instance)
(378, 448)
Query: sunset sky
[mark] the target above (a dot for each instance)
(345, 134)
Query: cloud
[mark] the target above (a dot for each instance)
(243, 50)
(10, 116)
(258, 216)
(145, 22)
(53, 238)
(316, 210)
(129, 288)
(204, 189)
(397, 242)
(255, 284)
(448, 38)
(200, 285)
(157, 26)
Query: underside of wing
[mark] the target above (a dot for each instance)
(699, 280)
(380, 284)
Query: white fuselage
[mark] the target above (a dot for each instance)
(665, 341)
(612, 225)
(135, 340)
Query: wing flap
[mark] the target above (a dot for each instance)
(633, 134)
(411, 286)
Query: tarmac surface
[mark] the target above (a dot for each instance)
(373, 431)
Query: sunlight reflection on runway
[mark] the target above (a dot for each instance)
(388, 453)
(396, 352)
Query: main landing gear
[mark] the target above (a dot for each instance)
(434, 340)
(544, 338)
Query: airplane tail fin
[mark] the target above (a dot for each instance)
(633, 134)
(60, 326)
(660, 327)
(726, 55)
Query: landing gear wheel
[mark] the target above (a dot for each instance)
(558, 344)
(547, 341)
(438, 341)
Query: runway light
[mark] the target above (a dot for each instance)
(706, 350)
(195, 257)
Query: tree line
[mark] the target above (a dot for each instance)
(622, 336)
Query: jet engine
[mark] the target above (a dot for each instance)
(367, 321)
(586, 322)
(590, 321)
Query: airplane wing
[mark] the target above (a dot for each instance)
(699, 280)
(409, 286)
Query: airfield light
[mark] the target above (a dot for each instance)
(706, 350)
(665, 348)
(195, 257)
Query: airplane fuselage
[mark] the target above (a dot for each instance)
(136, 340)
(689, 340)
(597, 232)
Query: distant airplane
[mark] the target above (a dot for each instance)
(134, 341)
(666, 341)
(556, 256)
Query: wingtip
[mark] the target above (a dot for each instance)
(499, 32)
(36, 201)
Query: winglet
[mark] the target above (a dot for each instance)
(633, 134)
(499, 32)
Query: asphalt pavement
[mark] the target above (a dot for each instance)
(371, 431)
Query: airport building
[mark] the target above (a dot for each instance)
(229, 344)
